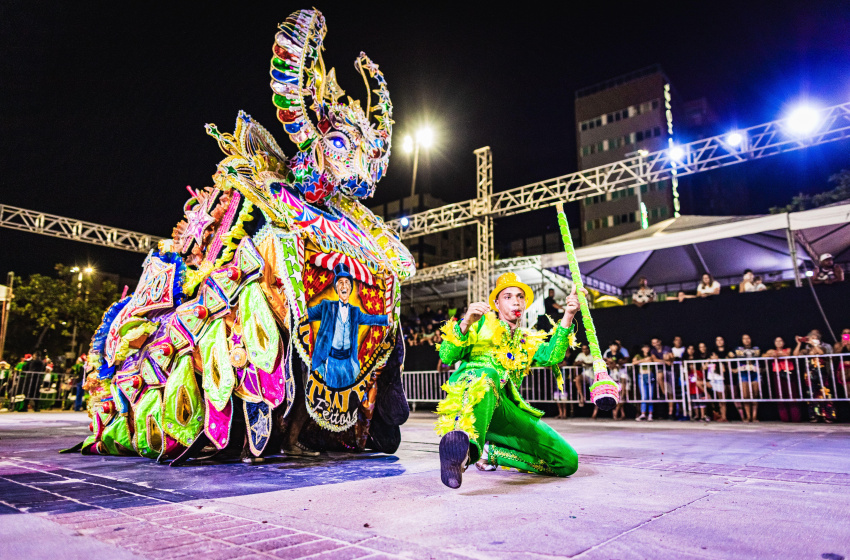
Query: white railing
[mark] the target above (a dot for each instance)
(18, 389)
(661, 384)
(691, 384)
(424, 386)
(780, 379)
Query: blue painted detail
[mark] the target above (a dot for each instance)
(179, 277)
(284, 78)
(258, 417)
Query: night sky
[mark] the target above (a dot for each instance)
(103, 104)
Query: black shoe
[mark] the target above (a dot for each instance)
(454, 455)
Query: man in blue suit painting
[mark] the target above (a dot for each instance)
(335, 352)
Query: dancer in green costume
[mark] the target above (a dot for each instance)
(484, 418)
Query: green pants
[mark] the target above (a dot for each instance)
(517, 438)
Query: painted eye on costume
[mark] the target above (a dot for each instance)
(337, 141)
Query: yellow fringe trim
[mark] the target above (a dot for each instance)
(450, 333)
(230, 241)
(456, 410)
(124, 349)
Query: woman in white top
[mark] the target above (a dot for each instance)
(747, 284)
(708, 286)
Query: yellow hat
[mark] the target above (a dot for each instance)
(510, 280)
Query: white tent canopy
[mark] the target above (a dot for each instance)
(674, 253)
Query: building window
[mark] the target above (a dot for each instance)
(657, 131)
(630, 111)
(627, 218)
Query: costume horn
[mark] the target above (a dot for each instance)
(383, 113)
(297, 72)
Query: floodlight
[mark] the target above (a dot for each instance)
(88, 270)
(803, 120)
(405, 221)
(425, 137)
(809, 273)
(407, 144)
(676, 153)
(734, 139)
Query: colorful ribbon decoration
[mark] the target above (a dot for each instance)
(605, 392)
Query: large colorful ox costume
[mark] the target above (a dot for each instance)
(215, 347)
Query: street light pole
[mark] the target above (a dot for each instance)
(6, 302)
(424, 138)
(88, 270)
(644, 222)
(415, 168)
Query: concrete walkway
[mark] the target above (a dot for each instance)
(662, 490)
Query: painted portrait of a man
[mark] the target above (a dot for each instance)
(335, 351)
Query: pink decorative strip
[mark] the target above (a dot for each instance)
(226, 222)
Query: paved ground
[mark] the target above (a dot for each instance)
(662, 490)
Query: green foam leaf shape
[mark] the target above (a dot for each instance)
(219, 377)
(183, 404)
(259, 329)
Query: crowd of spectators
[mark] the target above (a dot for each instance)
(827, 271)
(423, 329)
(36, 382)
(717, 373)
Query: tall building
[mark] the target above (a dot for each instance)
(437, 248)
(615, 119)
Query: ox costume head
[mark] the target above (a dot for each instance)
(341, 149)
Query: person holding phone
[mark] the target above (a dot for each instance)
(843, 344)
(843, 347)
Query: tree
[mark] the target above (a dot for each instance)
(808, 201)
(45, 310)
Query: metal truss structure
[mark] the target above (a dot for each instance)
(442, 272)
(479, 286)
(75, 230)
(703, 155)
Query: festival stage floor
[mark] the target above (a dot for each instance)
(662, 490)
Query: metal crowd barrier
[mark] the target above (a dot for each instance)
(786, 379)
(642, 383)
(19, 389)
(689, 383)
(424, 385)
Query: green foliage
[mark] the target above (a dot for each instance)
(45, 310)
(809, 201)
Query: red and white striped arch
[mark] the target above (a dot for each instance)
(358, 270)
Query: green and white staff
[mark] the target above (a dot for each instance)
(605, 392)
